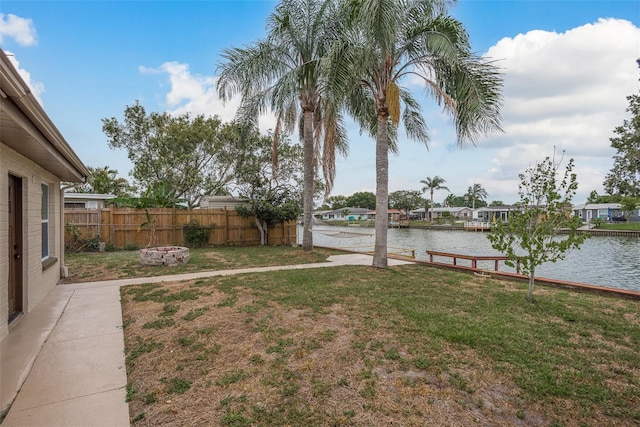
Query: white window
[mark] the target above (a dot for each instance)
(44, 216)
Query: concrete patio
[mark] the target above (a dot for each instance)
(63, 363)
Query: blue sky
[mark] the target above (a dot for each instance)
(568, 67)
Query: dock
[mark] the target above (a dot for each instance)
(477, 226)
(473, 258)
(485, 273)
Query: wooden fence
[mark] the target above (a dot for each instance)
(127, 227)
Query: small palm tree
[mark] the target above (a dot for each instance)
(433, 184)
(476, 192)
(387, 40)
(282, 74)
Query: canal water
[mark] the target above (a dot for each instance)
(611, 261)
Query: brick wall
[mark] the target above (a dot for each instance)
(36, 282)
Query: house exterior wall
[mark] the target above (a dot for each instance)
(36, 281)
(83, 204)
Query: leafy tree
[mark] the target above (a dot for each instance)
(362, 199)
(530, 235)
(104, 180)
(406, 200)
(594, 197)
(624, 178)
(194, 157)
(462, 201)
(337, 202)
(629, 205)
(272, 194)
(476, 193)
(496, 203)
(433, 184)
(158, 195)
(387, 40)
(282, 74)
(454, 201)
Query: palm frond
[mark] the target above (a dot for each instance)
(413, 120)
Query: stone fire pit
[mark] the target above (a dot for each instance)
(164, 255)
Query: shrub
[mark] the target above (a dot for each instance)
(196, 235)
(75, 242)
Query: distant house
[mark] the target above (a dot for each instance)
(603, 211)
(394, 215)
(493, 213)
(345, 214)
(34, 159)
(86, 200)
(459, 213)
(220, 202)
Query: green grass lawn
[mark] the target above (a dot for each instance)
(92, 266)
(620, 226)
(359, 346)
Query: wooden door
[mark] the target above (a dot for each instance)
(15, 246)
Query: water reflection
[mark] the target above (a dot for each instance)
(612, 261)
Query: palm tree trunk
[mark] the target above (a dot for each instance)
(307, 198)
(382, 193)
(431, 206)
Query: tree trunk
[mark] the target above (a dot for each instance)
(382, 193)
(264, 230)
(531, 282)
(431, 206)
(309, 174)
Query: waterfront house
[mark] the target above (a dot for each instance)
(345, 214)
(34, 160)
(603, 211)
(493, 213)
(394, 215)
(461, 213)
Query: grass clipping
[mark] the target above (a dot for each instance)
(357, 346)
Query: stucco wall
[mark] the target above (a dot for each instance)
(36, 282)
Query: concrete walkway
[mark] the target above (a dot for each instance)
(65, 359)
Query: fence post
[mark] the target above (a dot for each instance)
(105, 226)
(226, 226)
(173, 226)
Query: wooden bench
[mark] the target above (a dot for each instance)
(473, 258)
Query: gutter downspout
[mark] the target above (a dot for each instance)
(64, 270)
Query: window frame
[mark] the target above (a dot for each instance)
(45, 229)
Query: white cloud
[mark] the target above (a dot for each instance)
(37, 88)
(196, 94)
(17, 28)
(566, 90)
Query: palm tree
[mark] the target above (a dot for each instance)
(281, 74)
(104, 180)
(476, 192)
(450, 200)
(388, 40)
(433, 184)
